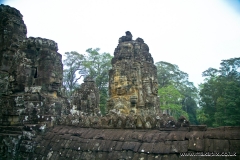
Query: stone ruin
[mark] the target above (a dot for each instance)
(86, 98)
(133, 91)
(38, 122)
(133, 85)
(31, 73)
(31, 76)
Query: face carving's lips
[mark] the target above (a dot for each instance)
(120, 91)
(55, 86)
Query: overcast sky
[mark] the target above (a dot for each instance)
(193, 34)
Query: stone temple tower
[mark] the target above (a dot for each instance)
(31, 72)
(133, 85)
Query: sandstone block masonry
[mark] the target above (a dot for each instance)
(31, 75)
(65, 142)
(133, 85)
(31, 98)
(86, 98)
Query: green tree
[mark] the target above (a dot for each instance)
(209, 95)
(97, 66)
(202, 117)
(171, 101)
(73, 71)
(170, 74)
(220, 94)
(228, 105)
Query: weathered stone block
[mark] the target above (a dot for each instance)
(135, 156)
(194, 135)
(101, 155)
(215, 133)
(148, 137)
(197, 128)
(234, 146)
(196, 145)
(162, 136)
(118, 146)
(208, 145)
(179, 146)
(4, 83)
(220, 145)
(176, 136)
(138, 135)
(133, 146)
(56, 146)
(161, 148)
(232, 132)
(170, 157)
(67, 144)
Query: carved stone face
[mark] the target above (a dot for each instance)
(137, 48)
(147, 87)
(144, 48)
(154, 87)
(50, 70)
(121, 104)
(126, 50)
(21, 72)
(133, 88)
(14, 31)
(6, 60)
(120, 85)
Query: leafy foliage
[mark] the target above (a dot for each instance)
(97, 66)
(73, 71)
(93, 64)
(171, 101)
(220, 95)
(169, 75)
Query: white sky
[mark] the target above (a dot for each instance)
(193, 34)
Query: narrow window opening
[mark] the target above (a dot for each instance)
(35, 72)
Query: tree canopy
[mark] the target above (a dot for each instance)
(97, 66)
(93, 64)
(176, 92)
(73, 71)
(220, 95)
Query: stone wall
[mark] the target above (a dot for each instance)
(65, 142)
(74, 142)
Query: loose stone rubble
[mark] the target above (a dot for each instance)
(37, 121)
